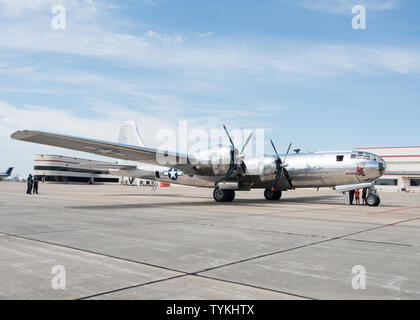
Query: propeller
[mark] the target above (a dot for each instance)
(280, 165)
(233, 167)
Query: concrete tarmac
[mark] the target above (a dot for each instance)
(118, 242)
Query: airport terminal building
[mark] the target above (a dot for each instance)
(62, 169)
(403, 168)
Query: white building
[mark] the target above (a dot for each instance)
(54, 168)
(403, 168)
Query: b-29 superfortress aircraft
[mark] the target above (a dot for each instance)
(225, 168)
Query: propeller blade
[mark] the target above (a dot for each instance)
(288, 149)
(275, 150)
(280, 168)
(227, 133)
(286, 174)
(247, 141)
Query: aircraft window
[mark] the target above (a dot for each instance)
(353, 156)
(366, 157)
(340, 158)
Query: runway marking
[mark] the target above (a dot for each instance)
(394, 210)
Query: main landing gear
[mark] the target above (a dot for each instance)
(269, 194)
(223, 195)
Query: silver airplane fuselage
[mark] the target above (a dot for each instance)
(318, 169)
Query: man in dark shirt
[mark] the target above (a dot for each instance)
(364, 196)
(35, 189)
(29, 182)
(351, 196)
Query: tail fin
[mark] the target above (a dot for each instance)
(129, 134)
(9, 171)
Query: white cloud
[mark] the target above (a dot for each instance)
(343, 6)
(21, 8)
(220, 58)
(163, 38)
(205, 56)
(205, 35)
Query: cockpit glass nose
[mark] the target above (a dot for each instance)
(382, 165)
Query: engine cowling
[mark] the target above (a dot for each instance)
(215, 161)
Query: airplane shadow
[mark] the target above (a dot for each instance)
(323, 200)
(145, 195)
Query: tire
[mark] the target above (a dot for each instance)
(230, 195)
(223, 195)
(219, 195)
(272, 195)
(373, 200)
(277, 195)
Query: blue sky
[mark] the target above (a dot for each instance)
(293, 67)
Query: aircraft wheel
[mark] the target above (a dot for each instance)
(219, 195)
(230, 195)
(277, 195)
(223, 195)
(373, 200)
(272, 195)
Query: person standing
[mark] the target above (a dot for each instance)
(364, 196)
(357, 195)
(29, 183)
(35, 188)
(351, 196)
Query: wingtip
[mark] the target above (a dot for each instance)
(20, 134)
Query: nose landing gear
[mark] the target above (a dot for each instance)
(373, 199)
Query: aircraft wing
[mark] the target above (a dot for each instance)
(105, 148)
(125, 167)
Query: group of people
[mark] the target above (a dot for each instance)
(32, 185)
(355, 194)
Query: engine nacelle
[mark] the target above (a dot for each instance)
(214, 161)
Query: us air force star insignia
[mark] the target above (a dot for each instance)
(173, 174)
